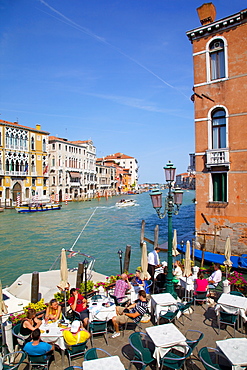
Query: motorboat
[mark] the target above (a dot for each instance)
(126, 203)
(37, 207)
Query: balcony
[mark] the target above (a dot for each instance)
(75, 183)
(15, 173)
(218, 157)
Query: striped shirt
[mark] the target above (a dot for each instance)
(141, 307)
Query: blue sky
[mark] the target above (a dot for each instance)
(118, 72)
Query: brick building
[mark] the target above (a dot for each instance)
(220, 90)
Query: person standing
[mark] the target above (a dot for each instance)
(153, 262)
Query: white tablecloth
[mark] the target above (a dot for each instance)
(232, 304)
(100, 312)
(162, 302)
(187, 283)
(164, 337)
(104, 363)
(235, 349)
(55, 334)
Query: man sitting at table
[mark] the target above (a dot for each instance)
(36, 347)
(133, 313)
(76, 334)
(215, 277)
(79, 304)
(121, 286)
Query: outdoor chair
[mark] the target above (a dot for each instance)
(18, 340)
(149, 283)
(98, 327)
(191, 340)
(97, 297)
(11, 358)
(227, 319)
(169, 315)
(235, 292)
(134, 362)
(206, 358)
(73, 367)
(91, 354)
(136, 325)
(76, 350)
(186, 307)
(173, 360)
(142, 353)
(200, 297)
(117, 303)
(40, 361)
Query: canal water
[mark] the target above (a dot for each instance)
(31, 242)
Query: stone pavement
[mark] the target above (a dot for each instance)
(203, 319)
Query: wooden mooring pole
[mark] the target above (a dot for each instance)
(35, 287)
(127, 258)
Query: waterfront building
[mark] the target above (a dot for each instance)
(72, 169)
(220, 84)
(130, 164)
(23, 163)
(106, 178)
(185, 180)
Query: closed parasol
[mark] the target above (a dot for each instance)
(174, 244)
(187, 261)
(228, 262)
(63, 271)
(144, 261)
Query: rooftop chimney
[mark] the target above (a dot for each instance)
(206, 13)
(38, 127)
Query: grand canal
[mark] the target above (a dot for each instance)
(31, 242)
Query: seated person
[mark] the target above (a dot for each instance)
(161, 279)
(133, 313)
(29, 324)
(215, 277)
(121, 286)
(201, 284)
(79, 304)
(76, 334)
(53, 311)
(137, 280)
(36, 347)
(177, 272)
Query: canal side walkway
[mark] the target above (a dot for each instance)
(203, 319)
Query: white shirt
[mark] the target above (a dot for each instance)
(216, 277)
(153, 258)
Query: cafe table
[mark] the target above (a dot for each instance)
(101, 311)
(235, 349)
(232, 304)
(162, 302)
(104, 363)
(164, 337)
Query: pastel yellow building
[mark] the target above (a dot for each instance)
(23, 163)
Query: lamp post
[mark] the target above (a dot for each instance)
(172, 203)
(85, 264)
(120, 254)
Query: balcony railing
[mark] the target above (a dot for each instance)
(218, 157)
(15, 173)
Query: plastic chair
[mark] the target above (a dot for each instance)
(169, 315)
(40, 361)
(98, 327)
(122, 304)
(200, 297)
(192, 343)
(19, 341)
(183, 307)
(142, 353)
(97, 297)
(92, 354)
(76, 350)
(206, 359)
(173, 360)
(136, 363)
(235, 292)
(73, 367)
(11, 357)
(227, 319)
(147, 286)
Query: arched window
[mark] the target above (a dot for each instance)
(17, 166)
(44, 145)
(12, 166)
(219, 129)
(217, 59)
(32, 143)
(7, 165)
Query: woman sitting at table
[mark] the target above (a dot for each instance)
(137, 279)
(29, 324)
(201, 284)
(76, 334)
(53, 311)
(177, 272)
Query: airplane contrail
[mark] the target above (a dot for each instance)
(102, 40)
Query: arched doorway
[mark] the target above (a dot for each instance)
(60, 195)
(17, 191)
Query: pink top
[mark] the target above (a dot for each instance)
(201, 285)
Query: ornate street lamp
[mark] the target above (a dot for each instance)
(173, 202)
(120, 254)
(85, 264)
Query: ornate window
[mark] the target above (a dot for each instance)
(219, 182)
(32, 143)
(44, 145)
(218, 129)
(217, 59)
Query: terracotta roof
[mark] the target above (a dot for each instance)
(15, 124)
(118, 156)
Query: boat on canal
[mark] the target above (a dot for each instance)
(37, 207)
(126, 203)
